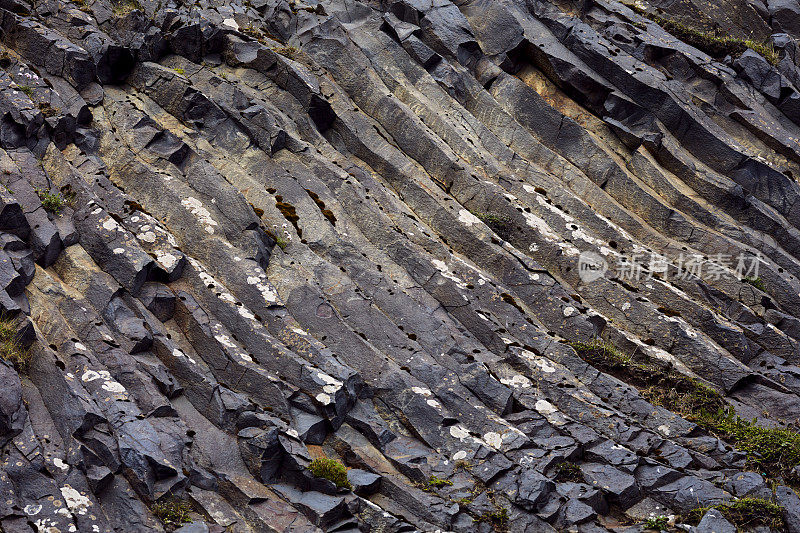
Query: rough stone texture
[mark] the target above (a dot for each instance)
(352, 229)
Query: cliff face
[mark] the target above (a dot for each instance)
(516, 264)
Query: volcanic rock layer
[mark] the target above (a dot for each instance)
(239, 236)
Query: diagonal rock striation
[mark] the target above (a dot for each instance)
(510, 265)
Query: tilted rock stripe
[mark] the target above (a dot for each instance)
(352, 229)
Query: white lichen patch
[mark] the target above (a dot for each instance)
(323, 398)
(267, 291)
(32, 510)
(110, 224)
(459, 432)
(493, 439)
(76, 502)
(166, 259)
(467, 218)
(225, 341)
(541, 226)
(518, 381)
(331, 384)
(147, 236)
(442, 267)
(113, 386)
(544, 407)
(90, 375)
(178, 353)
(202, 214)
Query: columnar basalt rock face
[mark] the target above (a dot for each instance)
(360, 229)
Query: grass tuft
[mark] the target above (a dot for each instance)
(10, 348)
(714, 43)
(436, 482)
(756, 282)
(83, 5)
(745, 513)
(332, 470)
(27, 89)
(773, 451)
(569, 473)
(292, 52)
(172, 513)
(48, 110)
(50, 201)
(500, 224)
(659, 523)
(498, 518)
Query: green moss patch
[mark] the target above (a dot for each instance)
(569, 473)
(758, 283)
(498, 518)
(331, 470)
(714, 43)
(745, 513)
(437, 482)
(172, 513)
(773, 451)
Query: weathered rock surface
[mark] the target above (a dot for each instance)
(359, 229)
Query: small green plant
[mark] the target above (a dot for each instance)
(461, 464)
(280, 241)
(500, 224)
(121, 8)
(172, 513)
(745, 513)
(489, 217)
(10, 348)
(68, 195)
(331, 470)
(464, 501)
(569, 473)
(288, 51)
(497, 518)
(437, 482)
(50, 201)
(180, 71)
(756, 282)
(27, 89)
(603, 353)
(659, 523)
(48, 110)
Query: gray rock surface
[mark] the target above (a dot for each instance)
(236, 237)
